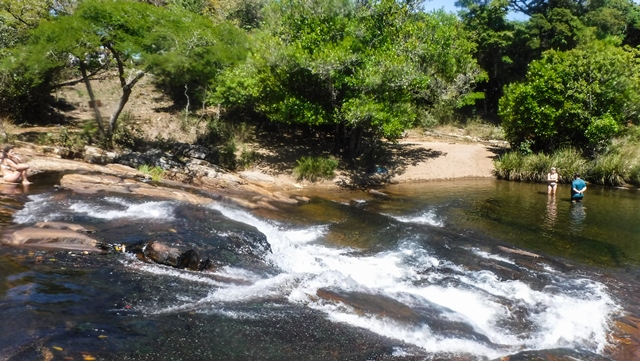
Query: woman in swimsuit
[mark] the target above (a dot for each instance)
(552, 181)
(12, 169)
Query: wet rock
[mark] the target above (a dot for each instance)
(51, 238)
(87, 183)
(431, 315)
(161, 253)
(626, 337)
(560, 354)
(158, 252)
(250, 244)
(175, 194)
(190, 260)
(372, 304)
(62, 225)
(93, 183)
(281, 198)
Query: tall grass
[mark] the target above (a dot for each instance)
(634, 175)
(314, 168)
(609, 169)
(534, 167)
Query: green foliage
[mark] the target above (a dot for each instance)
(184, 49)
(364, 70)
(156, 173)
(601, 130)
(315, 168)
(576, 98)
(186, 72)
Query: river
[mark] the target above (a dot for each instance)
(443, 270)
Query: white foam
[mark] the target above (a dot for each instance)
(36, 209)
(116, 208)
(424, 217)
(411, 275)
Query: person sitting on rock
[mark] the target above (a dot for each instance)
(13, 170)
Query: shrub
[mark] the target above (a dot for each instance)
(155, 172)
(314, 168)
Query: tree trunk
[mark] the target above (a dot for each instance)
(124, 98)
(92, 98)
(126, 92)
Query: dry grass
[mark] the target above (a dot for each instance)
(148, 114)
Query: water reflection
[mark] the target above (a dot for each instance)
(578, 216)
(552, 211)
(13, 188)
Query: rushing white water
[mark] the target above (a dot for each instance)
(45, 208)
(428, 216)
(570, 312)
(308, 265)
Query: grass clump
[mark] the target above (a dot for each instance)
(156, 173)
(533, 167)
(314, 168)
(609, 169)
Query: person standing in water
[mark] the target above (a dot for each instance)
(552, 181)
(13, 170)
(578, 186)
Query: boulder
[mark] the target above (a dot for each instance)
(160, 253)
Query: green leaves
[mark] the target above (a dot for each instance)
(580, 97)
(366, 69)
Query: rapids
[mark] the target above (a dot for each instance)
(431, 272)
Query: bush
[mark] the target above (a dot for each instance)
(155, 172)
(314, 168)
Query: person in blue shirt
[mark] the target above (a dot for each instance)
(578, 186)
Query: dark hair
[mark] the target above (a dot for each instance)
(6, 150)
(576, 175)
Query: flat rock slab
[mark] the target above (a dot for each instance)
(50, 238)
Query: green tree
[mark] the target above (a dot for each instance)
(500, 51)
(581, 98)
(20, 98)
(367, 70)
(129, 35)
